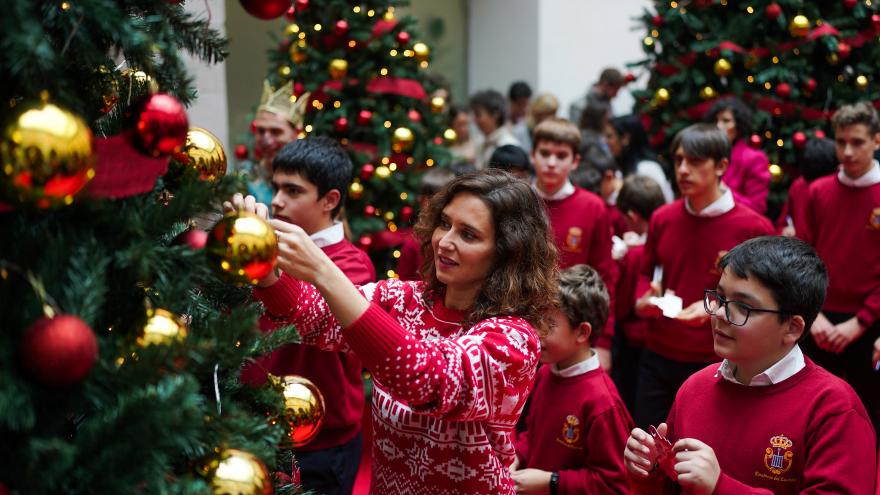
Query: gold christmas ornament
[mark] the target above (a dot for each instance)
(723, 67)
(708, 93)
(402, 139)
(204, 153)
(356, 190)
(47, 155)
(832, 58)
(296, 54)
(383, 172)
(303, 408)
(775, 172)
(799, 26)
(240, 473)
(243, 247)
(162, 328)
(862, 82)
(438, 104)
(450, 135)
(421, 51)
(338, 68)
(141, 78)
(662, 96)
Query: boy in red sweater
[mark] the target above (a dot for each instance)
(766, 420)
(578, 217)
(686, 238)
(843, 224)
(576, 421)
(310, 180)
(818, 160)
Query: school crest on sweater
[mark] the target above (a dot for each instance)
(571, 431)
(778, 456)
(573, 240)
(874, 219)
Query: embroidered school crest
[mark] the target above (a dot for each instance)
(573, 239)
(715, 270)
(571, 430)
(874, 219)
(778, 457)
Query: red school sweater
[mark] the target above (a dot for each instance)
(688, 247)
(577, 426)
(583, 235)
(445, 398)
(808, 434)
(795, 206)
(628, 290)
(844, 227)
(336, 374)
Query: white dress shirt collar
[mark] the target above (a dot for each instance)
(784, 369)
(870, 178)
(587, 365)
(717, 208)
(329, 236)
(567, 190)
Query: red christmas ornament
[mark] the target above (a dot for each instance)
(810, 85)
(290, 14)
(158, 125)
(341, 27)
(241, 152)
(755, 141)
(341, 124)
(300, 5)
(820, 134)
(369, 210)
(265, 9)
(298, 89)
(438, 140)
(364, 117)
(59, 350)
(843, 49)
(783, 90)
(254, 126)
(406, 213)
(715, 52)
(195, 239)
(799, 139)
(365, 242)
(657, 20)
(629, 77)
(414, 116)
(367, 171)
(773, 11)
(875, 22)
(850, 4)
(403, 38)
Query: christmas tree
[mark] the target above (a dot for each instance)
(794, 62)
(364, 72)
(123, 326)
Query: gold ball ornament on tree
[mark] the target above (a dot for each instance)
(775, 172)
(383, 172)
(708, 93)
(240, 473)
(304, 408)
(662, 96)
(438, 104)
(47, 155)
(421, 51)
(356, 190)
(162, 328)
(204, 153)
(243, 247)
(297, 55)
(862, 82)
(449, 135)
(402, 139)
(338, 68)
(723, 67)
(799, 26)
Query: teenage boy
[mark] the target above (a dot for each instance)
(310, 179)
(843, 224)
(490, 116)
(686, 238)
(767, 420)
(578, 217)
(577, 421)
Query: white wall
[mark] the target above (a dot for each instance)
(502, 43)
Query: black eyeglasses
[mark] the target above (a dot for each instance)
(737, 313)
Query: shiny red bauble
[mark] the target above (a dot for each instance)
(59, 350)
(158, 125)
(265, 9)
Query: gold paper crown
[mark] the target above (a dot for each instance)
(284, 103)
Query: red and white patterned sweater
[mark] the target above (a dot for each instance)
(445, 399)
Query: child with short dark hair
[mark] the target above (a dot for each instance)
(578, 217)
(490, 116)
(686, 238)
(818, 160)
(577, 420)
(767, 419)
(512, 159)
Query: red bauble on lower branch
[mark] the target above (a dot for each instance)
(265, 9)
(59, 350)
(783, 90)
(158, 125)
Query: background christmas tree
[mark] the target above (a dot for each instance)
(364, 71)
(122, 337)
(794, 62)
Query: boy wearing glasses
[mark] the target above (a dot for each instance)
(767, 420)
(686, 238)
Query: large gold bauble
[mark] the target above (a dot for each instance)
(162, 328)
(662, 96)
(799, 26)
(402, 139)
(204, 153)
(356, 190)
(723, 67)
(47, 155)
(243, 247)
(708, 93)
(421, 51)
(862, 82)
(338, 68)
(449, 135)
(438, 104)
(240, 473)
(383, 172)
(303, 408)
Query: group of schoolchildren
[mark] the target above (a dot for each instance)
(780, 314)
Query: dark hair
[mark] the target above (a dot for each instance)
(462, 167)
(456, 109)
(611, 77)
(741, 114)
(819, 159)
(640, 194)
(519, 90)
(583, 297)
(321, 161)
(789, 268)
(492, 102)
(638, 148)
(857, 113)
(522, 281)
(434, 179)
(587, 177)
(510, 157)
(595, 115)
(703, 141)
